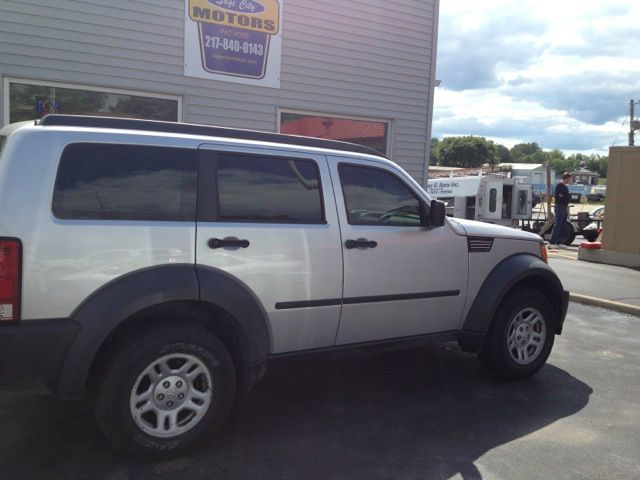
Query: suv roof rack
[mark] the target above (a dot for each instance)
(193, 129)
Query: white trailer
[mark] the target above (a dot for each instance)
(489, 198)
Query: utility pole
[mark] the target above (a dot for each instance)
(550, 218)
(633, 123)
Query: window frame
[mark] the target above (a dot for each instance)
(422, 205)
(211, 212)
(78, 86)
(389, 123)
(65, 215)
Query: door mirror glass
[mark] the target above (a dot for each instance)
(437, 212)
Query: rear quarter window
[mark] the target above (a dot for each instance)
(125, 182)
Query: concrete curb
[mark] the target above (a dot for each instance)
(601, 302)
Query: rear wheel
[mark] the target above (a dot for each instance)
(521, 337)
(166, 391)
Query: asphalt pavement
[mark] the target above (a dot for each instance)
(598, 284)
(428, 413)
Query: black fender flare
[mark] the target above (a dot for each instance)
(236, 298)
(101, 313)
(517, 269)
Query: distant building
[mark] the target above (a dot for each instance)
(582, 176)
(531, 173)
(438, 171)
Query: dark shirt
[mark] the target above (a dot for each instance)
(562, 194)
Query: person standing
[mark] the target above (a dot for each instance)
(560, 211)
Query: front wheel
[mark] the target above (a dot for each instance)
(166, 391)
(521, 336)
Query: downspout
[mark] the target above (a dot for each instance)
(432, 88)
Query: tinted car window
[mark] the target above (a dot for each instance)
(376, 197)
(268, 189)
(126, 182)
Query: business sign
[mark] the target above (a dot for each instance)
(234, 40)
(453, 187)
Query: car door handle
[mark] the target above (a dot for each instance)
(227, 242)
(360, 243)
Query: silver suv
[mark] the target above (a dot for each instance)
(156, 267)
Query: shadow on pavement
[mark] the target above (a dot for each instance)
(422, 413)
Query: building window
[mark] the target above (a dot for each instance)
(493, 196)
(370, 133)
(30, 100)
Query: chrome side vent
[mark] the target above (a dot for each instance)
(479, 244)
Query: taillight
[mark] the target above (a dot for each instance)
(10, 259)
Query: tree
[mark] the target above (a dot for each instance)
(527, 153)
(555, 154)
(472, 152)
(25, 100)
(501, 153)
(144, 107)
(434, 155)
(599, 164)
(468, 151)
(594, 162)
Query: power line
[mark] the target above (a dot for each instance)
(624, 120)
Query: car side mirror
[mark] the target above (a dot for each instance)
(437, 213)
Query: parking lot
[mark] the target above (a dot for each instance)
(425, 413)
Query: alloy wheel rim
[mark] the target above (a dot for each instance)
(171, 395)
(526, 335)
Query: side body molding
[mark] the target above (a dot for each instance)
(525, 269)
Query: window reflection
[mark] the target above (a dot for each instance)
(375, 197)
(126, 182)
(28, 102)
(266, 189)
(363, 132)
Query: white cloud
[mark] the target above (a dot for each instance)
(557, 72)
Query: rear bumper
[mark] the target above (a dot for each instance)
(34, 350)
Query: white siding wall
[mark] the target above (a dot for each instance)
(348, 58)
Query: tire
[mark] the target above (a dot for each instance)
(568, 234)
(511, 350)
(165, 391)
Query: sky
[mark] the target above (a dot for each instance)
(560, 73)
